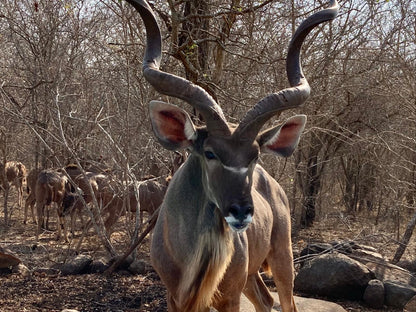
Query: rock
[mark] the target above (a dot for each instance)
(408, 265)
(123, 265)
(398, 294)
(99, 265)
(343, 247)
(389, 272)
(22, 270)
(365, 256)
(356, 246)
(138, 267)
(303, 304)
(411, 305)
(361, 253)
(374, 294)
(312, 250)
(78, 265)
(333, 275)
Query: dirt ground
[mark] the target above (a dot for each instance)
(123, 291)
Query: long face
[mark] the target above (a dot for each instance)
(228, 165)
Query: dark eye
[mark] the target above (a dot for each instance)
(210, 155)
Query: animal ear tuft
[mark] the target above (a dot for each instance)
(172, 126)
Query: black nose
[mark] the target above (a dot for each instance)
(241, 211)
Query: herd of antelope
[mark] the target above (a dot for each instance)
(223, 217)
(64, 187)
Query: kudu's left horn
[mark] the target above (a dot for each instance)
(299, 91)
(173, 85)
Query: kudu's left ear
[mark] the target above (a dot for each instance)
(172, 125)
(282, 140)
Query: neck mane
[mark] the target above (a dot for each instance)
(207, 265)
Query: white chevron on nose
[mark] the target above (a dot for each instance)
(241, 170)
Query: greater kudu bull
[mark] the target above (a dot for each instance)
(224, 217)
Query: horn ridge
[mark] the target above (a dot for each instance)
(299, 91)
(173, 85)
(293, 66)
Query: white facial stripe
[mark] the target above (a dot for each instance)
(241, 170)
(237, 226)
(231, 219)
(248, 219)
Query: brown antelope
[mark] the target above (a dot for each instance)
(92, 185)
(224, 217)
(15, 173)
(30, 202)
(150, 193)
(113, 200)
(53, 186)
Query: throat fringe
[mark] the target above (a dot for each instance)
(206, 269)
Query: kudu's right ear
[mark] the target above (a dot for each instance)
(172, 126)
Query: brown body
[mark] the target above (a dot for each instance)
(150, 193)
(15, 173)
(53, 187)
(30, 202)
(114, 202)
(224, 217)
(221, 260)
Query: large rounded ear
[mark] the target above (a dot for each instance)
(283, 140)
(172, 125)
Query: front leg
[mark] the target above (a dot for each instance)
(229, 305)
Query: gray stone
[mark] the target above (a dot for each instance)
(78, 265)
(389, 272)
(138, 267)
(407, 264)
(22, 270)
(374, 294)
(124, 265)
(303, 305)
(313, 250)
(398, 294)
(333, 275)
(365, 256)
(99, 265)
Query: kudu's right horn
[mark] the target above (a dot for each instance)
(173, 85)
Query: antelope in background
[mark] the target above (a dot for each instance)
(54, 186)
(115, 198)
(30, 202)
(15, 173)
(224, 217)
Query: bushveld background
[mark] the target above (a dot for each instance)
(71, 91)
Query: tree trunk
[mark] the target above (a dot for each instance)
(312, 187)
(405, 239)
